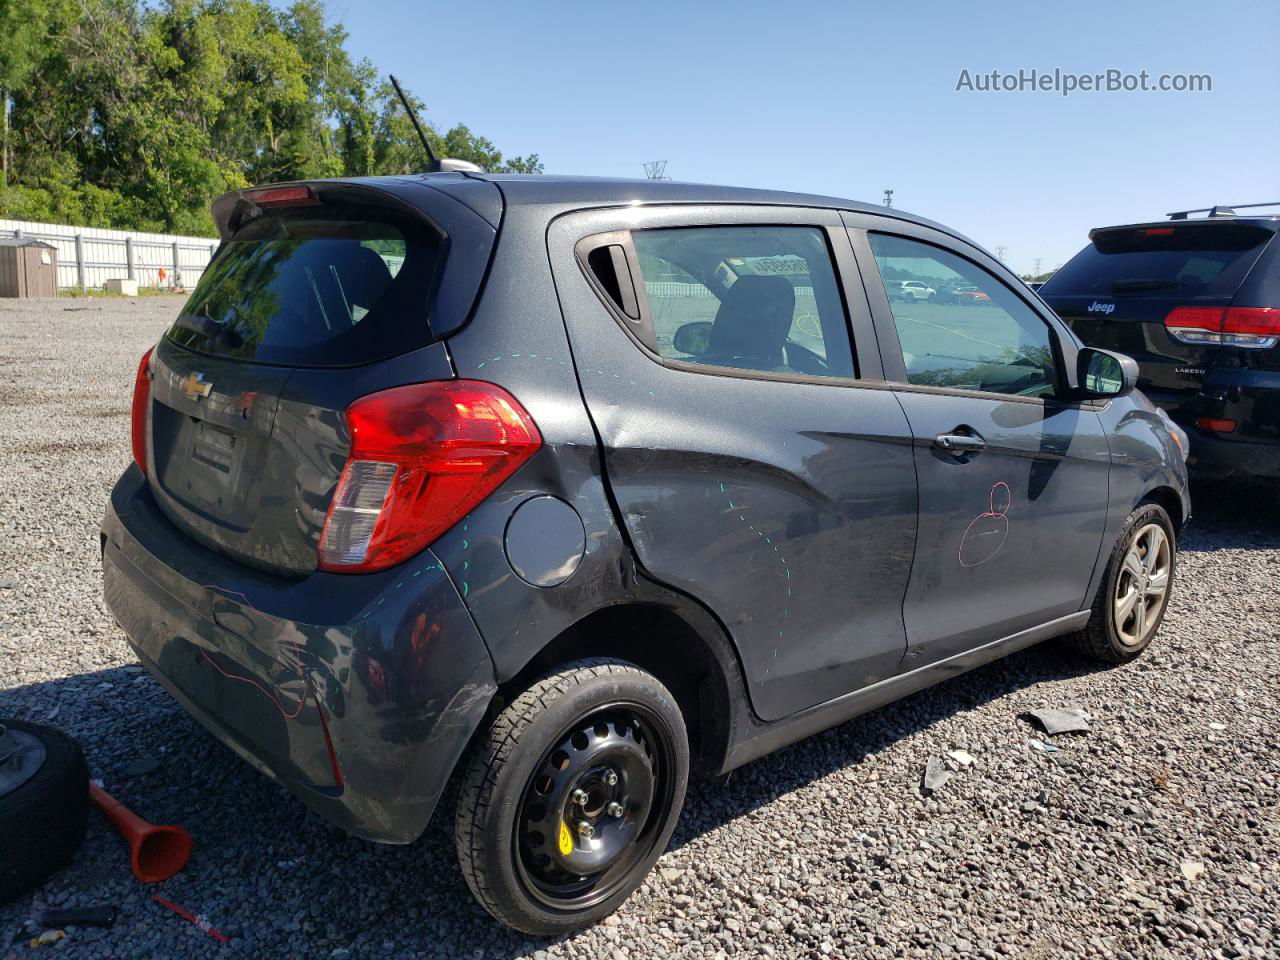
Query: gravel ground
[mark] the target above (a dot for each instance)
(827, 848)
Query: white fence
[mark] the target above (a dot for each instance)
(698, 291)
(90, 256)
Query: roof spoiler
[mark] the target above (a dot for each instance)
(233, 210)
(1221, 210)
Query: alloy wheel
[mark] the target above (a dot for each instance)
(1142, 586)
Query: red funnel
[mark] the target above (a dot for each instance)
(157, 852)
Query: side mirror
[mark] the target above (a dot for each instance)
(693, 339)
(1106, 374)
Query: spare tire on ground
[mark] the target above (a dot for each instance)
(44, 804)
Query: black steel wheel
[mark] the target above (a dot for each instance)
(572, 797)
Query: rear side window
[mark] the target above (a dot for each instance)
(1193, 259)
(316, 286)
(752, 298)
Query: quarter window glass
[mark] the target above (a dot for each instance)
(961, 327)
(753, 298)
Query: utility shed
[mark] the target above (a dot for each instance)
(28, 268)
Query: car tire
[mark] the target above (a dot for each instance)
(1112, 635)
(42, 819)
(540, 841)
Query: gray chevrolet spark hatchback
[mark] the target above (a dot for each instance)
(567, 488)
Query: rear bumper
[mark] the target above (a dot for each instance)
(1248, 396)
(1215, 457)
(357, 693)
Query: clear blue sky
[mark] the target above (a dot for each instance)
(848, 99)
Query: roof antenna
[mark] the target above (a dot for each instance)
(434, 165)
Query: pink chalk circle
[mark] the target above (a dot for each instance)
(987, 532)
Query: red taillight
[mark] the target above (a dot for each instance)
(281, 196)
(1252, 321)
(421, 457)
(1198, 325)
(1254, 328)
(141, 409)
(1216, 424)
(1158, 232)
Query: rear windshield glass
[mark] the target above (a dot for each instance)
(315, 286)
(1209, 260)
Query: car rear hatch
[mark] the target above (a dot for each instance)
(1146, 290)
(319, 294)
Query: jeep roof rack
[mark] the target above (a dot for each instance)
(1221, 210)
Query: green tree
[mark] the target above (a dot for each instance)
(133, 114)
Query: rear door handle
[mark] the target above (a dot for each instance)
(960, 443)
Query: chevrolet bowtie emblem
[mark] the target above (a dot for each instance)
(196, 386)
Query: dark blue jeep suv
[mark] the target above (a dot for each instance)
(1195, 300)
(569, 488)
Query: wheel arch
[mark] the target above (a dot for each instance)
(1123, 504)
(1169, 499)
(684, 649)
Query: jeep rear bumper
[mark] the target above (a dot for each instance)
(1214, 457)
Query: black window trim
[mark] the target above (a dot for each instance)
(860, 225)
(639, 328)
(846, 271)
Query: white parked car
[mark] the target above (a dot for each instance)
(915, 290)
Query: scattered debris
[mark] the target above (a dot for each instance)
(99, 915)
(48, 938)
(1217, 726)
(200, 922)
(1042, 746)
(1191, 869)
(8, 583)
(962, 757)
(54, 712)
(141, 766)
(936, 776)
(1162, 778)
(1057, 720)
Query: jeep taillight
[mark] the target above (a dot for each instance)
(1257, 327)
(421, 457)
(1254, 328)
(141, 409)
